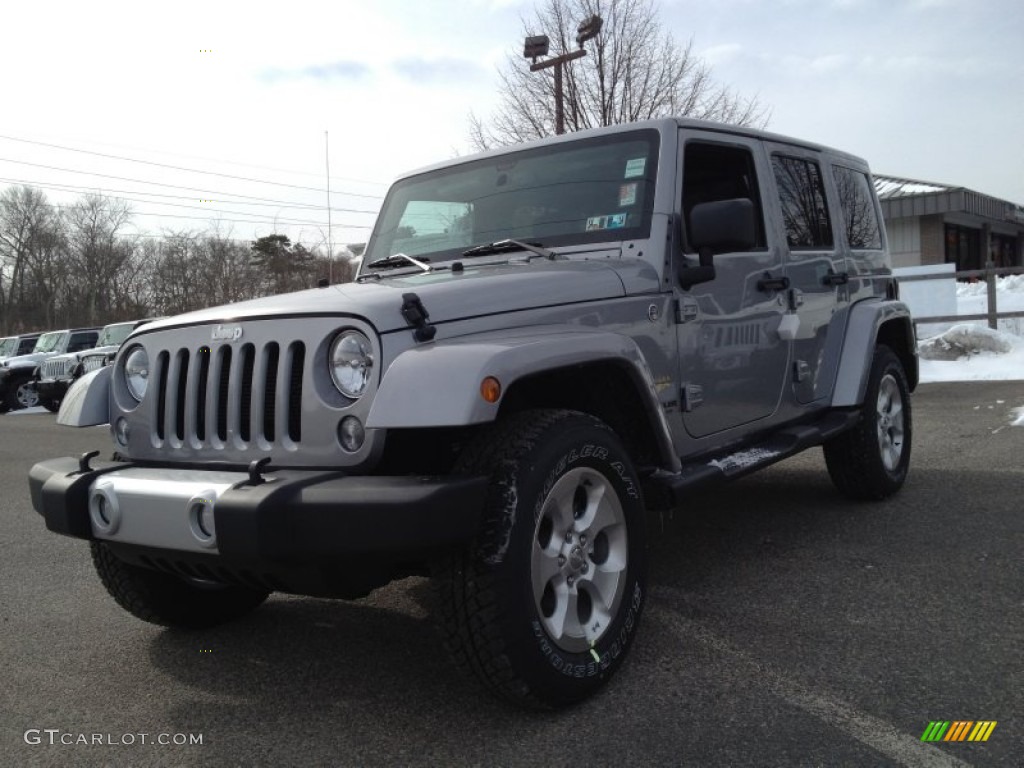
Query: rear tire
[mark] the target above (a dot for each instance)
(870, 462)
(169, 601)
(543, 606)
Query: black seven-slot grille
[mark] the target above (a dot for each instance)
(213, 395)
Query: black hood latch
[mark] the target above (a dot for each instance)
(416, 315)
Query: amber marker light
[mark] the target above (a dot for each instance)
(490, 389)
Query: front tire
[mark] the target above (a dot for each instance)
(543, 606)
(870, 462)
(51, 405)
(21, 394)
(160, 598)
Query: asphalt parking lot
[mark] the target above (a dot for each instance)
(785, 626)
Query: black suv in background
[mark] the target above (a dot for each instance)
(56, 374)
(17, 390)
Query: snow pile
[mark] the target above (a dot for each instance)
(1008, 284)
(971, 351)
(972, 299)
(965, 340)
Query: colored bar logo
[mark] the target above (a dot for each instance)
(958, 730)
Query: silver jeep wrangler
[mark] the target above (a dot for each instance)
(542, 343)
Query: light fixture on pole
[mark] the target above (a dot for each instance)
(536, 46)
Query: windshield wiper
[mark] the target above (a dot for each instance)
(502, 246)
(398, 260)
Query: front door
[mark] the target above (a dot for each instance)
(732, 356)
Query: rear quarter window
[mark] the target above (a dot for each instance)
(860, 221)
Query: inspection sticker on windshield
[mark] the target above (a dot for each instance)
(635, 167)
(627, 194)
(613, 221)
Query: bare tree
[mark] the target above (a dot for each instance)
(230, 273)
(634, 70)
(98, 251)
(25, 220)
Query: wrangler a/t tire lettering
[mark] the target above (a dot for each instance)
(543, 607)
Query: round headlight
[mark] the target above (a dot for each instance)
(136, 372)
(351, 363)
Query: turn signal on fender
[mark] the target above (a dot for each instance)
(490, 389)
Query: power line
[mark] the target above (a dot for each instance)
(92, 189)
(160, 184)
(263, 220)
(172, 167)
(227, 162)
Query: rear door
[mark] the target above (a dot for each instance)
(815, 264)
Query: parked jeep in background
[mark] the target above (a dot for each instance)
(543, 343)
(17, 388)
(53, 376)
(14, 346)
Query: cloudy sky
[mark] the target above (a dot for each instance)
(147, 94)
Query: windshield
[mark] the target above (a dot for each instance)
(586, 191)
(49, 341)
(113, 335)
(7, 346)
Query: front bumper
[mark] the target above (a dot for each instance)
(304, 531)
(52, 389)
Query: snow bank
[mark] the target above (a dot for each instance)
(1019, 421)
(1008, 284)
(965, 340)
(971, 351)
(972, 299)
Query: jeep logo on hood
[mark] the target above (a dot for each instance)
(226, 333)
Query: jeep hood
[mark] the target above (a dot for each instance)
(32, 358)
(447, 296)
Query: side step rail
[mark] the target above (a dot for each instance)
(665, 490)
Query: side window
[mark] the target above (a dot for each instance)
(713, 172)
(802, 197)
(80, 341)
(857, 204)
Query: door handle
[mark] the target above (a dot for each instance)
(835, 278)
(769, 283)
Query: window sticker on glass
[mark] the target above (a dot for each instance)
(612, 221)
(627, 194)
(635, 167)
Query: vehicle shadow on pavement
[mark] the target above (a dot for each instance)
(320, 667)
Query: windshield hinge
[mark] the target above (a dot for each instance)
(416, 315)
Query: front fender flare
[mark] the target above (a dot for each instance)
(87, 401)
(438, 385)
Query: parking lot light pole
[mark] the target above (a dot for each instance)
(538, 45)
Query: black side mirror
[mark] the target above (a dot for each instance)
(718, 227)
(723, 226)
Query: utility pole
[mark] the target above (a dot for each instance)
(538, 45)
(330, 239)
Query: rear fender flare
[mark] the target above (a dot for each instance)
(866, 322)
